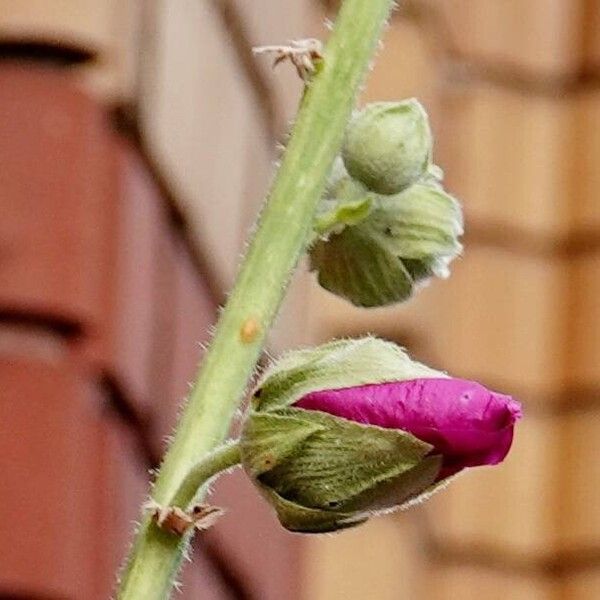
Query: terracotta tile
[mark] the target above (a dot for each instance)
(582, 585)
(591, 26)
(521, 161)
(583, 153)
(405, 67)
(381, 560)
(578, 499)
(490, 145)
(584, 322)
(498, 321)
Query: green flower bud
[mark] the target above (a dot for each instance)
(388, 145)
(402, 242)
(321, 472)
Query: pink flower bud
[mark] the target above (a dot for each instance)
(466, 423)
(354, 428)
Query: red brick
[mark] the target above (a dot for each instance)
(81, 224)
(55, 184)
(48, 439)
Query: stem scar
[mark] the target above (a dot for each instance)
(249, 330)
(177, 521)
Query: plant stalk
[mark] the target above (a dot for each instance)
(222, 458)
(274, 251)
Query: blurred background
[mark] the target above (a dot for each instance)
(137, 140)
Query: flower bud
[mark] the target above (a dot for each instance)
(388, 145)
(400, 242)
(355, 427)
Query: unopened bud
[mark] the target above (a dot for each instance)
(355, 427)
(388, 145)
(403, 241)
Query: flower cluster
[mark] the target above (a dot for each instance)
(385, 225)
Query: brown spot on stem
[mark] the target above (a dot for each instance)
(174, 520)
(249, 330)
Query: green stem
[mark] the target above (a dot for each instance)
(222, 458)
(276, 247)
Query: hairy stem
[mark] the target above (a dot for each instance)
(222, 458)
(278, 242)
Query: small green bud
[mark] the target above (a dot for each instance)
(402, 242)
(388, 145)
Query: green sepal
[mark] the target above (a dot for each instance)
(269, 439)
(334, 365)
(434, 174)
(434, 488)
(301, 519)
(333, 216)
(339, 461)
(400, 489)
(345, 202)
(351, 265)
(424, 221)
(324, 473)
(404, 240)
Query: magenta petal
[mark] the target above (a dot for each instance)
(467, 423)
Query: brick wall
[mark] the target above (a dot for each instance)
(102, 309)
